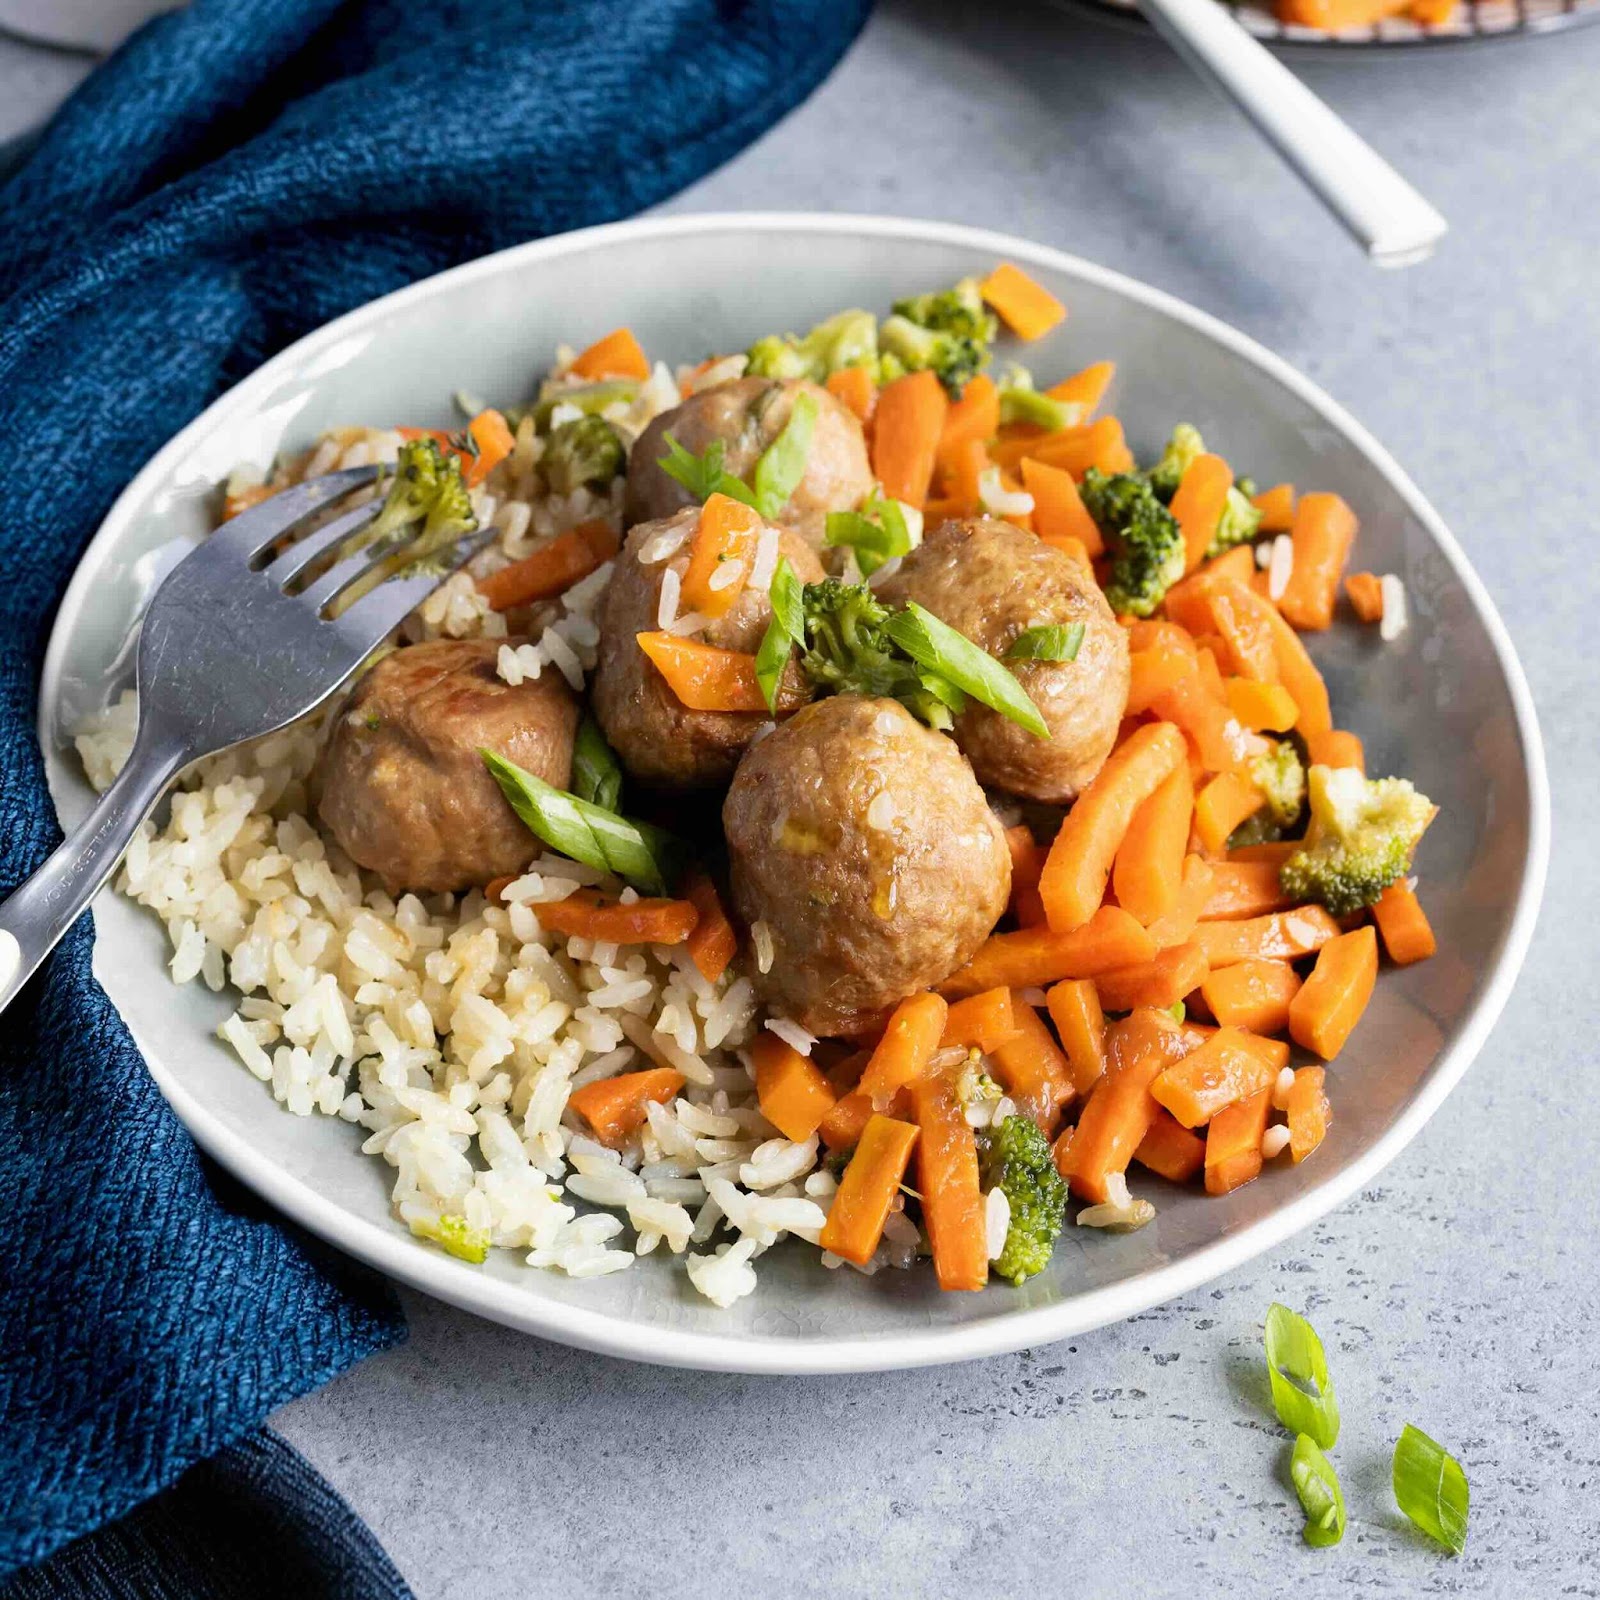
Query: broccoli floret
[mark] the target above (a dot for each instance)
(427, 488)
(1017, 1160)
(849, 339)
(1147, 553)
(1021, 402)
(1362, 835)
(960, 311)
(1239, 523)
(1281, 776)
(455, 1235)
(1184, 445)
(587, 450)
(907, 346)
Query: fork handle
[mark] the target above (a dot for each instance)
(35, 917)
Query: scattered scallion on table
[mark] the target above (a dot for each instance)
(1431, 1488)
(1322, 1499)
(1302, 1391)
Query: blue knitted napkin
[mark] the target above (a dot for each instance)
(242, 171)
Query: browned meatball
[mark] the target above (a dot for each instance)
(747, 415)
(404, 790)
(992, 581)
(861, 839)
(659, 739)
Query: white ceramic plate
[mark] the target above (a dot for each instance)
(1446, 704)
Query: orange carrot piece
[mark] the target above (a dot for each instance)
(1230, 1066)
(496, 887)
(243, 499)
(702, 676)
(1170, 1150)
(1027, 862)
(1148, 868)
(1074, 1006)
(793, 1094)
(905, 435)
(1365, 590)
(1245, 889)
(1265, 707)
(1197, 505)
(906, 1048)
(1276, 506)
(1033, 957)
(1407, 934)
(963, 466)
(1120, 1108)
(1178, 925)
(1309, 1112)
(552, 568)
(1027, 308)
(853, 386)
(726, 533)
(494, 441)
(1282, 936)
(842, 1127)
(1233, 1143)
(867, 1190)
(1031, 1068)
(1247, 646)
(618, 355)
(1161, 982)
(982, 1022)
(975, 416)
(1086, 388)
(1187, 601)
(1253, 995)
(1078, 867)
(1222, 741)
(1153, 671)
(713, 944)
(615, 1107)
(947, 1179)
(1331, 1000)
(1336, 747)
(1058, 509)
(1324, 530)
(1222, 805)
(1101, 444)
(1296, 671)
(1276, 851)
(585, 915)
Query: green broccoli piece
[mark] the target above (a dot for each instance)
(1146, 543)
(1362, 836)
(907, 346)
(849, 339)
(960, 311)
(1021, 402)
(1017, 1161)
(456, 1236)
(1280, 775)
(589, 398)
(427, 488)
(1184, 445)
(587, 450)
(1239, 523)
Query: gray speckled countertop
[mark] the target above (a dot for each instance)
(1460, 1292)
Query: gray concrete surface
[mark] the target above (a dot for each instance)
(1460, 1292)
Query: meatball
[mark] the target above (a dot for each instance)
(747, 415)
(861, 839)
(992, 581)
(403, 788)
(658, 738)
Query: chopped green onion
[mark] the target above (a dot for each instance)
(455, 1235)
(703, 476)
(939, 647)
(1050, 642)
(787, 629)
(1431, 1488)
(1320, 1495)
(1302, 1392)
(596, 772)
(645, 856)
(783, 462)
(877, 533)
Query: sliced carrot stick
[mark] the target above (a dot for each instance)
(1230, 1066)
(1253, 995)
(1265, 707)
(720, 555)
(1058, 509)
(947, 1179)
(1245, 889)
(1178, 925)
(905, 435)
(494, 441)
(496, 887)
(1324, 530)
(1222, 805)
(1076, 871)
(842, 1127)
(1101, 444)
(793, 1094)
(702, 676)
(713, 944)
(1153, 671)
(1148, 868)
(1331, 1000)
(982, 1021)
(1335, 747)
(1027, 862)
(1027, 308)
(618, 355)
(615, 1107)
(1296, 671)
(1276, 851)
(1407, 935)
(1086, 388)
(867, 1190)
(1308, 1111)
(1282, 936)
(1033, 957)
(1197, 505)
(1223, 742)
(906, 1048)
(1233, 1143)
(963, 467)
(1032, 1069)
(1276, 506)
(1365, 590)
(585, 915)
(853, 386)
(1248, 648)
(1074, 1006)
(1170, 1150)
(552, 568)
(975, 417)
(1161, 982)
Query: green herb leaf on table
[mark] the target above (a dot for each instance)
(1302, 1391)
(1049, 642)
(941, 649)
(1430, 1486)
(783, 462)
(596, 772)
(1321, 1498)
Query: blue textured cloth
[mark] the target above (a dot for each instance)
(242, 171)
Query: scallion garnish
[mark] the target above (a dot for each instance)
(940, 648)
(596, 772)
(1302, 1392)
(783, 462)
(1431, 1488)
(877, 533)
(784, 632)
(703, 475)
(1049, 642)
(1317, 1485)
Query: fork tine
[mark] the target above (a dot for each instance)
(304, 552)
(376, 615)
(252, 531)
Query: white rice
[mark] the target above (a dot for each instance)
(999, 501)
(1396, 615)
(1274, 1141)
(1280, 567)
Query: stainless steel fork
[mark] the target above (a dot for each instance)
(227, 653)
